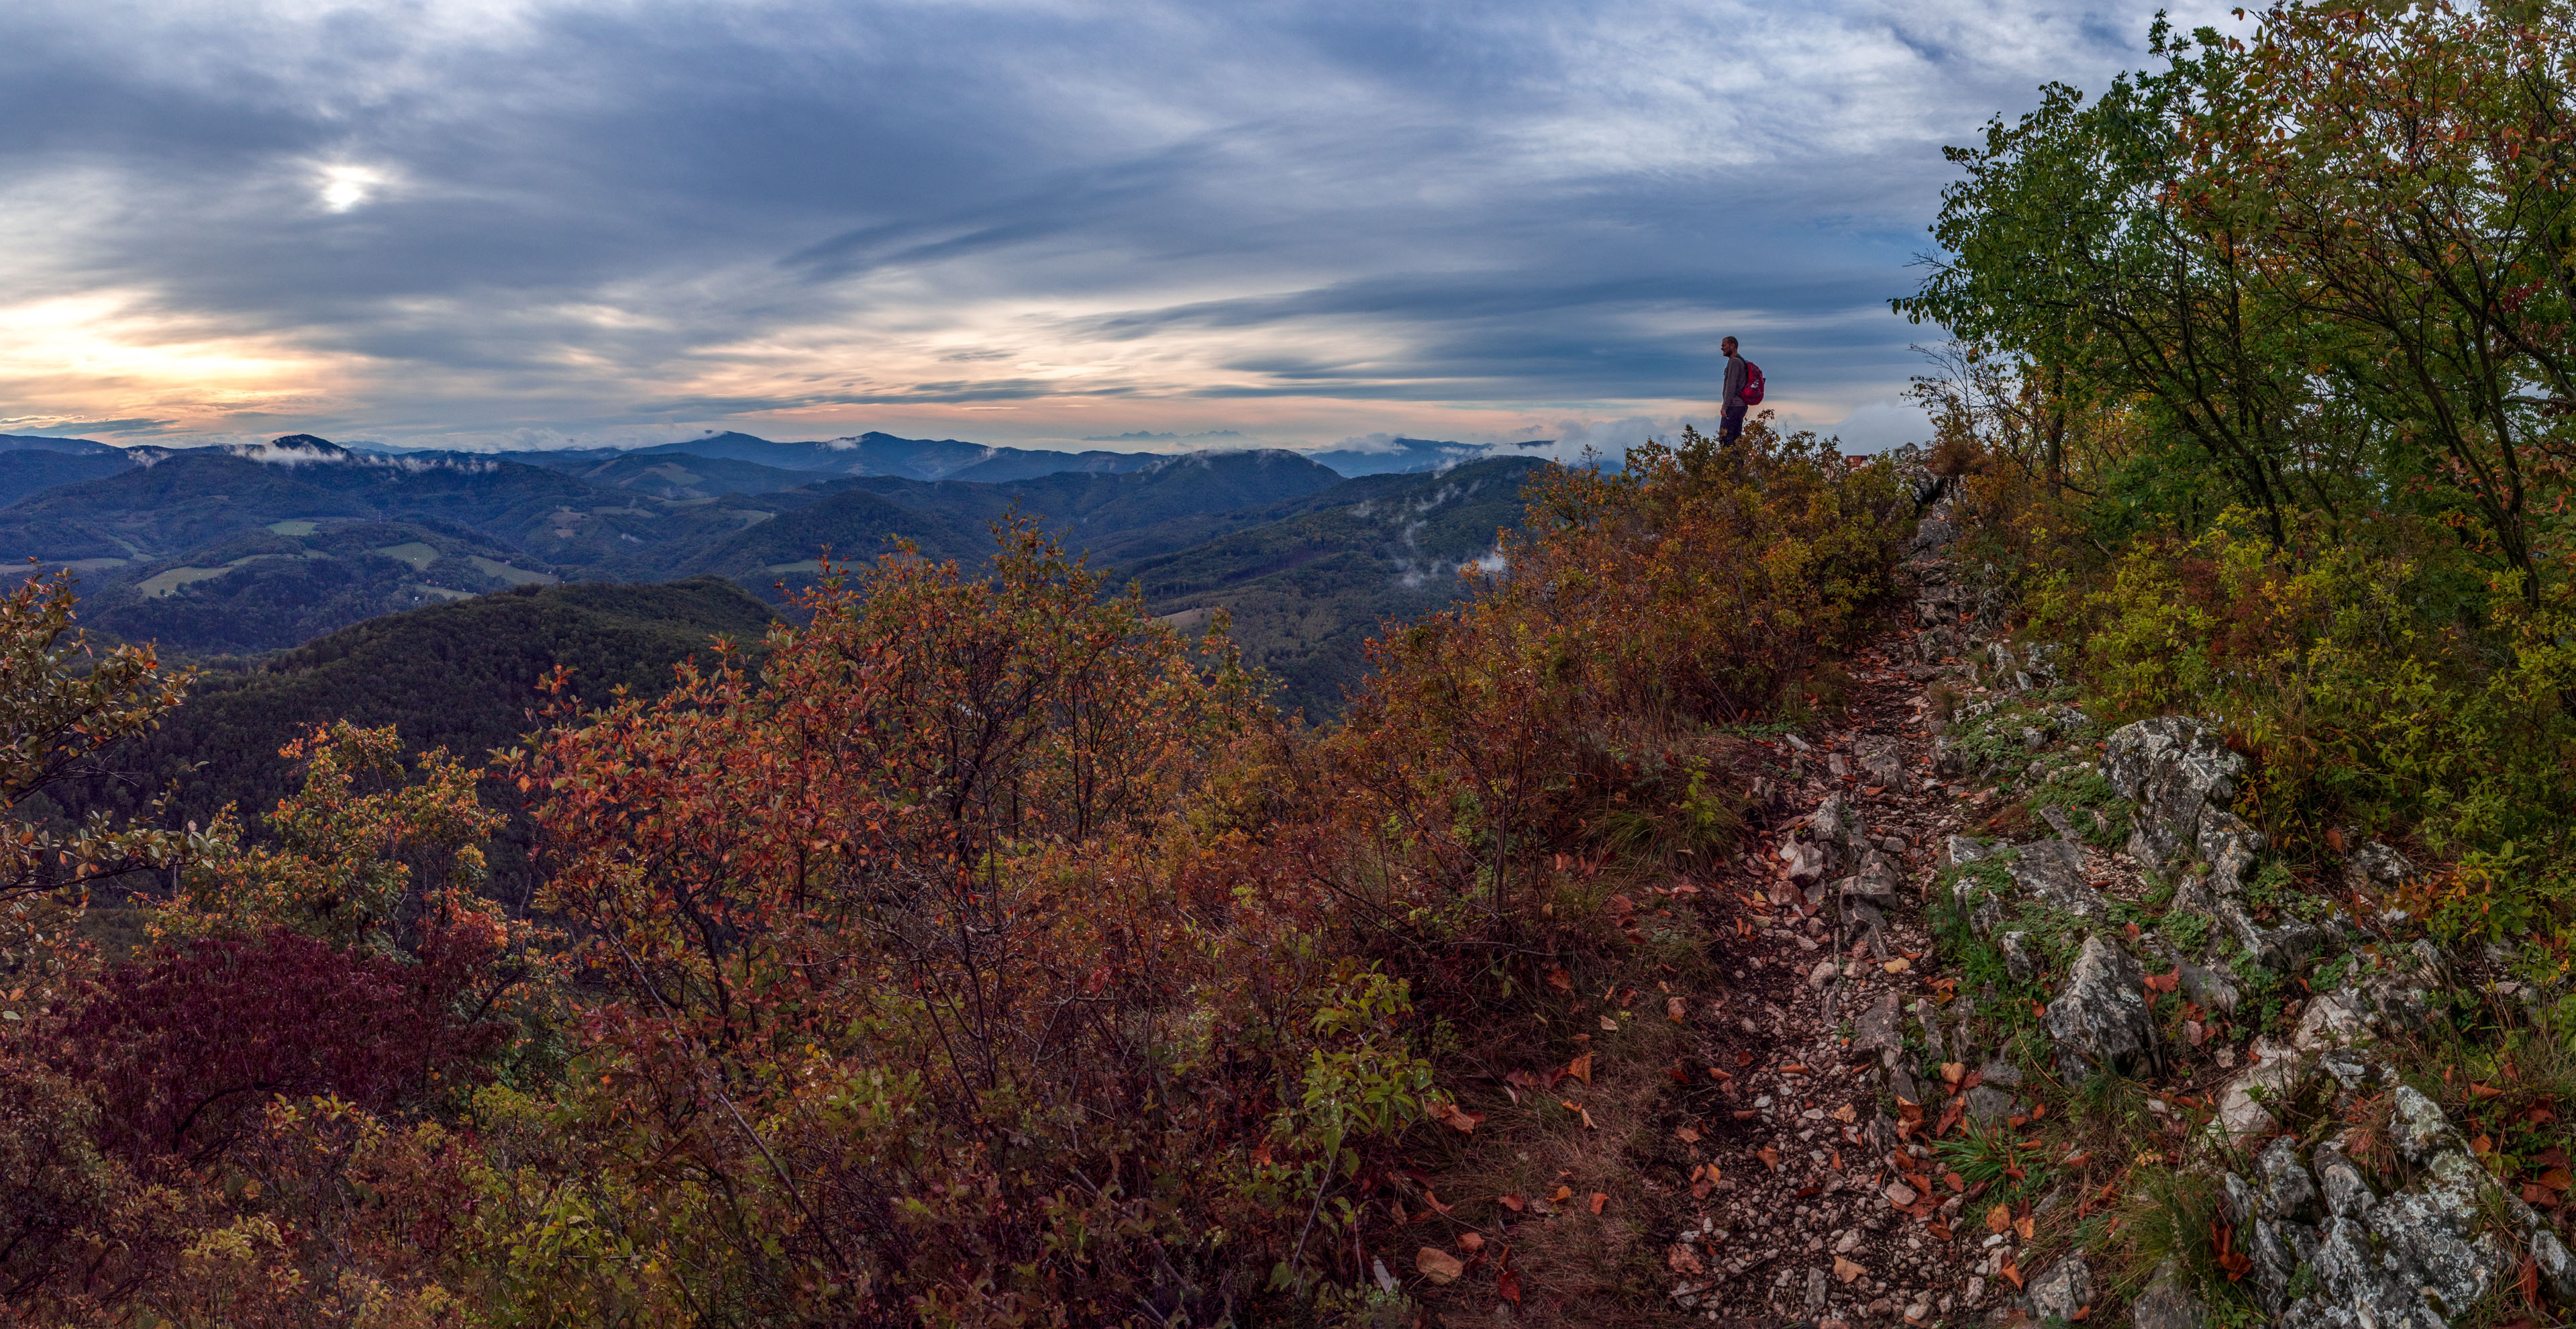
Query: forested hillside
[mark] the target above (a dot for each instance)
(233, 551)
(462, 676)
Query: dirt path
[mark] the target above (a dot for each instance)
(1826, 1207)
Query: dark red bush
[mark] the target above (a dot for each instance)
(184, 1047)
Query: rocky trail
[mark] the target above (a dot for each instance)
(1825, 1206)
(1861, 1150)
(1991, 981)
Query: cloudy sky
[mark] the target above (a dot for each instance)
(516, 222)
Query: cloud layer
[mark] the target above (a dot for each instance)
(515, 221)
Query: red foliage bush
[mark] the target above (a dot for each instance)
(184, 1049)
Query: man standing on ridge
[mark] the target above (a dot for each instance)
(1743, 388)
(1730, 421)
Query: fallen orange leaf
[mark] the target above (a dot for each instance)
(1563, 1194)
(1598, 1200)
(1999, 1219)
(1845, 1270)
(1686, 1135)
(2024, 1226)
(1438, 1265)
(1770, 1157)
(1580, 1068)
(1471, 1242)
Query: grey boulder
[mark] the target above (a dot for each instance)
(2175, 769)
(2100, 1021)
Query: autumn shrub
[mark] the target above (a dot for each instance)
(185, 1048)
(979, 951)
(2381, 687)
(1569, 706)
(912, 1001)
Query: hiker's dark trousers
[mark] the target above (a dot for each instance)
(1731, 424)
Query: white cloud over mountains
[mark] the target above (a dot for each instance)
(445, 220)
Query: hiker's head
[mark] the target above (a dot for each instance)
(1727, 346)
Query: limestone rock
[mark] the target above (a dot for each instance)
(2067, 1287)
(2275, 1075)
(2209, 989)
(2419, 1257)
(2175, 769)
(2287, 1192)
(1884, 759)
(2281, 949)
(2100, 1021)
(2337, 1019)
(2373, 868)
(2347, 1192)
(2052, 872)
(2228, 846)
(2168, 1303)
(2018, 961)
(1959, 849)
(2557, 1268)
(2418, 1127)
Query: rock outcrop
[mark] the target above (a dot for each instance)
(2100, 1020)
(2183, 781)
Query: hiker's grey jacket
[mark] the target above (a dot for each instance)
(1733, 396)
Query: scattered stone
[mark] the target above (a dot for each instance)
(1992, 1100)
(1884, 760)
(1901, 1195)
(1875, 1029)
(1822, 974)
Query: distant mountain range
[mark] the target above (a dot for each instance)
(241, 550)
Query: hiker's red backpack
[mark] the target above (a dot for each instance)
(1752, 384)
